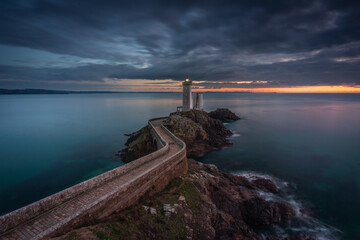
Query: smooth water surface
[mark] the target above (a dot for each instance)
(311, 140)
(50, 142)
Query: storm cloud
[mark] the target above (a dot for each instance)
(282, 43)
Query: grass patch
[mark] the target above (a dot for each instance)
(69, 237)
(101, 235)
(191, 195)
(113, 227)
(134, 222)
(88, 223)
(144, 136)
(175, 183)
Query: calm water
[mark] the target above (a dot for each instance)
(50, 142)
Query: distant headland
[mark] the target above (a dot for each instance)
(45, 91)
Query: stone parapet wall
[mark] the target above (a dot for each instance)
(159, 141)
(123, 193)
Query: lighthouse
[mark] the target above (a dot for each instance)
(198, 102)
(187, 95)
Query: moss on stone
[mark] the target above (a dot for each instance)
(144, 136)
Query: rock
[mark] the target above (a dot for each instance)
(149, 209)
(199, 131)
(306, 211)
(239, 207)
(300, 237)
(186, 128)
(190, 232)
(272, 238)
(224, 115)
(153, 211)
(243, 181)
(182, 198)
(168, 210)
(266, 185)
(146, 208)
(297, 237)
(247, 193)
(139, 144)
(259, 212)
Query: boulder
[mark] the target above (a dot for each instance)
(224, 115)
(259, 212)
(265, 185)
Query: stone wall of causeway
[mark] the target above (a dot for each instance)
(155, 136)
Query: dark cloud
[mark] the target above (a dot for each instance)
(286, 43)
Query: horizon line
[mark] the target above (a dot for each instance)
(7, 91)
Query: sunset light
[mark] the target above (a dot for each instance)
(161, 120)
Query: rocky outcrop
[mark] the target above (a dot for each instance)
(265, 185)
(258, 212)
(236, 198)
(199, 131)
(223, 114)
(139, 144)
(206, 203)
(196, 128)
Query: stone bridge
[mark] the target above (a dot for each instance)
(100, 196)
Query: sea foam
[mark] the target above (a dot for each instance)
(302, 223)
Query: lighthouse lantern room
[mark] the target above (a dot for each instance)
(187, 95)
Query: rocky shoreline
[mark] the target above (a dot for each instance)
(206, 203)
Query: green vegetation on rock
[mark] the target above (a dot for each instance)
(136, 223)
(144, 136)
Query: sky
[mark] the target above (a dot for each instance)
(247, 45)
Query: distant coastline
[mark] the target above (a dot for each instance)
(47, 91)
(31, 91)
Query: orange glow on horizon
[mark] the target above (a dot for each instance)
(169, 85)
(300, 89)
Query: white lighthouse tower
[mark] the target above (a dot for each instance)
(198, 101)
(187, 95)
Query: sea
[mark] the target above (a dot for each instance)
(309, 144)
